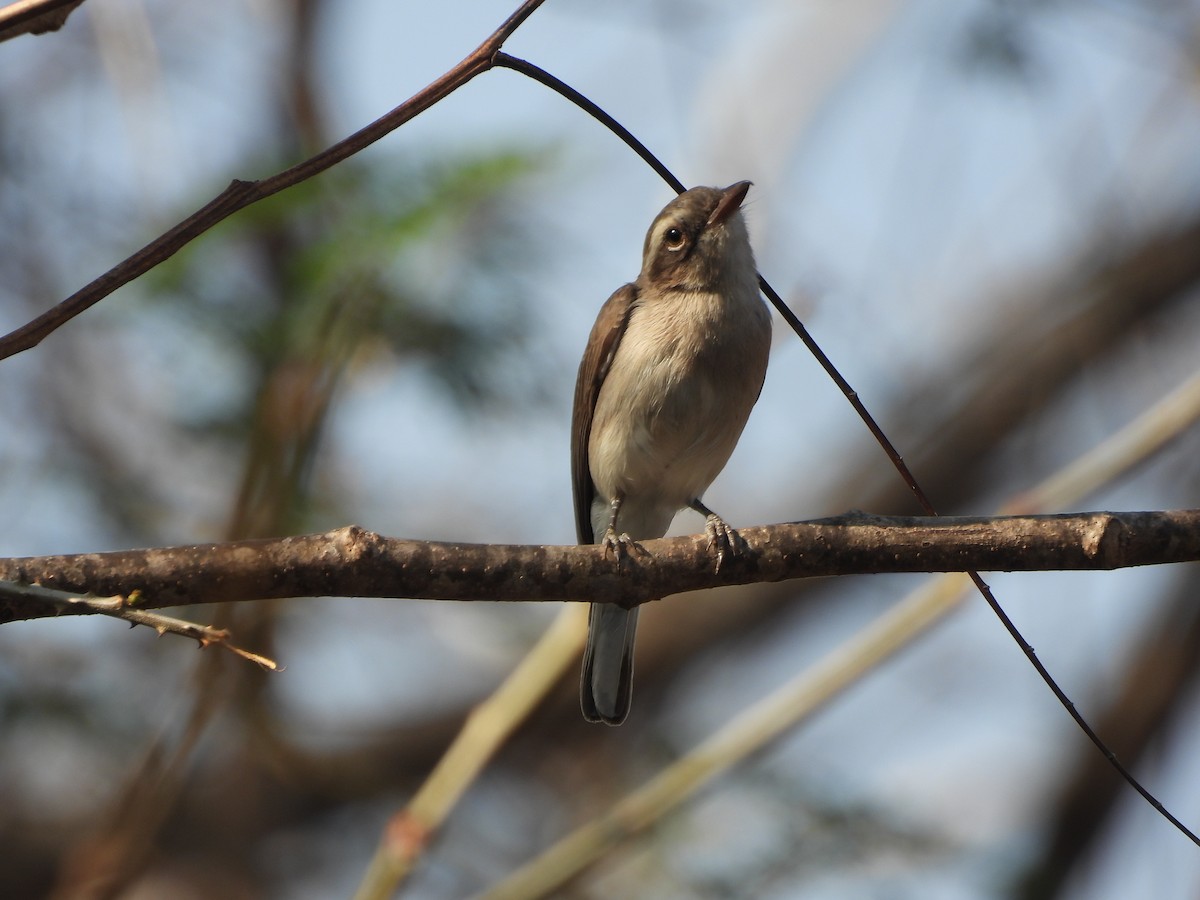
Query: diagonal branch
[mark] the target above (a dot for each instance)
(352, 562)
(34, 16)
(241, 194)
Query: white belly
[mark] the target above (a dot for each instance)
(673, 406)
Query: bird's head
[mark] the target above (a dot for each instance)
(698, 241)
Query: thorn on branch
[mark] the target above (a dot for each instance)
(120, 607)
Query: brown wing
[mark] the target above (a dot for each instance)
(601, 347)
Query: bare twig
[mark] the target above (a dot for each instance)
(241, 194)
(125, 608)
(351, 562)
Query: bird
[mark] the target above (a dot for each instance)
(673, 366)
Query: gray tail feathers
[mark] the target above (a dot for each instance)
(607, 683)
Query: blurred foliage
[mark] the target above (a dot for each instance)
(426, 264)
(252, 330)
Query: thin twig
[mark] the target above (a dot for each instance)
(241, 194)
(505, 61)
(120, 607)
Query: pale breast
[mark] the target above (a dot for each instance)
(681, 387)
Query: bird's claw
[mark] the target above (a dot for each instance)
(621, 546)
(722, 538)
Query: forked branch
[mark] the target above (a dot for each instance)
(241, 194)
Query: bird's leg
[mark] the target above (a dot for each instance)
(721, 537)
(619, 545)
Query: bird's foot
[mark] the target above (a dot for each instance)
(723, 540)
(621, 546)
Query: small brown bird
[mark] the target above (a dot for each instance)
(673, 366)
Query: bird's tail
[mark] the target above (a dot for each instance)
(607, 683)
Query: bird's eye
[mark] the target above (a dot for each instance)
(674, 238)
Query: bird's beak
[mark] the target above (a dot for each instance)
(731, 202)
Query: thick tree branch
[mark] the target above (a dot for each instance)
(351, 562)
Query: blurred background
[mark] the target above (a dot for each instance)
(986, 211)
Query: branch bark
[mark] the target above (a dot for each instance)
(352, 562)
(34, 16)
